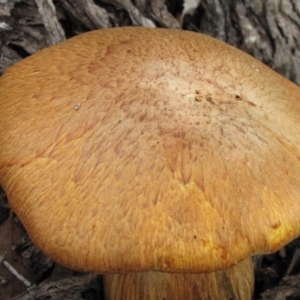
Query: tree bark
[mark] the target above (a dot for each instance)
(74, 288)
(268, 30)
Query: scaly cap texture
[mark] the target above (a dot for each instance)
(150, 149)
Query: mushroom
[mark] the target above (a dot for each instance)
(163, 159)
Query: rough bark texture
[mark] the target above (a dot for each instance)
(74, 288)
(269, 30)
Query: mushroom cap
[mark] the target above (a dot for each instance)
(150, 149)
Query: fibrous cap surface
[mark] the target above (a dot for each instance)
(150, 149)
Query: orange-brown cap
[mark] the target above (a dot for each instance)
(150, 149)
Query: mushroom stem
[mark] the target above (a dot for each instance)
(234, 283)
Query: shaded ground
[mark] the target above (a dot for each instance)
(10, 233)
